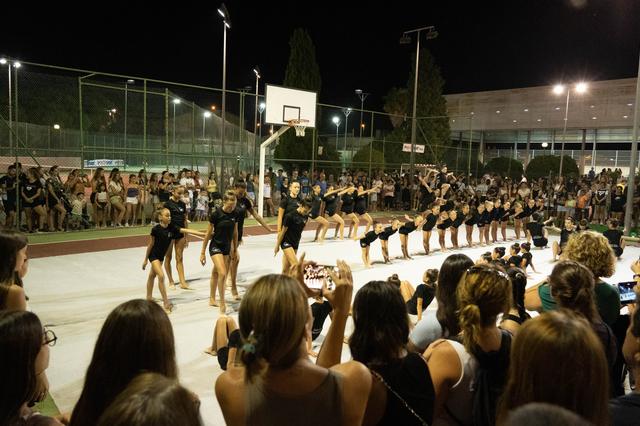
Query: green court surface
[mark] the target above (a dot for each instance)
(97, 234)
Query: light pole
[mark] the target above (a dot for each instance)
(175, 102)
(632, 163)
(126, 100)
(559, 89)
(261, 109)
(405, 39)
(205, 115)
(224, 13)
(346, 112)
(256, 71)
(362, 95)
(13, 64)
(336, 121)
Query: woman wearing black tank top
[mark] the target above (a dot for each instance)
(519, 215)
(495, 219)
(329, 208)
(384, 238)
(429, 223)
(469, 215)
(404, 232)
(348, 206)
(179, 220)
(360, 209)
(443, 224)
(316, 213)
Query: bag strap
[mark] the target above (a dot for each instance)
(407, 406)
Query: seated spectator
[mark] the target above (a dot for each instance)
(13, 267)
(558, 359)
(275, 324)
(151, 399)
(541, 414)
(402, 391)
(137, 336)
(226, 341)
(517, 313)
(24, 358)
(593, 251)
(483, 356)
(614, 236)
(419, 299)
(445, 322)
(625, 410)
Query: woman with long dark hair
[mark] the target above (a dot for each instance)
(55, 200)
(13, 267)
(33, 199)
(517, 313)
(137, 336)
(24, 358)
(116, 197)
(445, 322)
(178, 210)
(402, 391)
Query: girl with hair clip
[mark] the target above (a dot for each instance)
(178, 210)
(507, 212)
(498, 212)
(430, 221)
(544, 358)
(276, 381)
(481, 222)
(361, 209)
(518, 215)
(152, 399)
(457, 218)
(404, 231)
(366, 240)
(489, 215)
(517, 314)
(136, 336)
(384, 238)
(483, 294)
(223, 233)
(443, 224)
(290, 234)
(498, 256)
(469, 220)
(24, 359)
(527, 257)
(159, 242)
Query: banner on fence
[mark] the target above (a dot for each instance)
(93, 164)
(406, 147)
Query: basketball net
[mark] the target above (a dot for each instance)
(300, 125)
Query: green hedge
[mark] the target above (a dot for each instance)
(550, 164)
(505, 166)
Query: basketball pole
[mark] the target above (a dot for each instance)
(263, 152)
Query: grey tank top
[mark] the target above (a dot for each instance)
(320, 407)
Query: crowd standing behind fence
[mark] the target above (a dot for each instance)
(79, 200)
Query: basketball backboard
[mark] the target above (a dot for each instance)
(285, 104)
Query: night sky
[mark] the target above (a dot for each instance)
(483, 45)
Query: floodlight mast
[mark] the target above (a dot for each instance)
(263, 155)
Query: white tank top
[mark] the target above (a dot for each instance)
(460, 400)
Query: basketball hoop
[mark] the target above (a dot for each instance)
(300, 125)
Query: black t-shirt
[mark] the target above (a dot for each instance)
(10, 185)
(527, 257)
(162, 237)
(497, 213)
(440, 179)
(601, 197)
(224, 224)
(430, 222)
(30, 189)
(361, 201)
(505, 215)
(347, 199)
(535, 229)
(369, 237)
(408, 227)
(564, 236)
(515, 260)
(445, 224)
(387, 232)
(448, 206)
(470, 219)
(614, 236)
(178, 210)
(331, 202)
(242, 206)
(459, 220)
(625, 409)
(316, 202)
(295, 223)
(482, 219)
(424, 292)
(289, 204)
(617, 203)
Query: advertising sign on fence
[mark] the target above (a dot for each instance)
(406, 147)
(92, 164)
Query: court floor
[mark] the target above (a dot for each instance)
(74, 294)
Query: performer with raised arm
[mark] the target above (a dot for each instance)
(290, 234)
(366, 240)
(348, 206)
(404, 231)
(330, 209)
(161, 237)
(384, 238)
(361, 209)
(243, 207)
(568, 228)
(316, 212)
(507, 212)
(427, 227)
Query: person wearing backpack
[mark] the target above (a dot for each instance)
(467, 391)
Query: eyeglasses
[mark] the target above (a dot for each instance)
(50, 337)
(478, 269)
